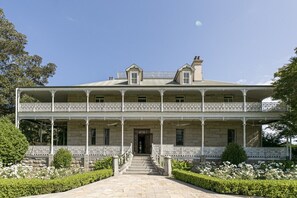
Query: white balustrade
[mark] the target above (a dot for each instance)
(155, 107)
(193, 152)
(142, 106)
(105, 106)
(223, 106)
(77, 150)
(270, 153)
(70, 107)
(35, 107)
(182, 106)
(266, 106)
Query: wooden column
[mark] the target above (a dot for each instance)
(202, 102)
(162, 94)
(87, 137)
(161, 134)
(52, 136)
(202, 136)
(244, 100)
(244, 132)
(16, 108)
(123, 100)
(122, 139)
(88, 101)
(53, 100)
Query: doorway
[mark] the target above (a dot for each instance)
(143, 140)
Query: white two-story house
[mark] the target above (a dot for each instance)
(169, 113)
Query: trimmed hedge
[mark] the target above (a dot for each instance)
(263, 188)
(26, 187)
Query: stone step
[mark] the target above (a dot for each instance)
(142, 172)
(141, 165)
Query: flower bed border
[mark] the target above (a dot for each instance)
(26, 187)
(263, 188)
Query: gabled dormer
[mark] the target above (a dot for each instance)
(184, 75)
(134, 74)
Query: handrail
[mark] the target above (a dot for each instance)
(157, 158)
(126, 157)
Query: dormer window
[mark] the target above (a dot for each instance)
(134, 78)
(99, 99)
(134, 75)
(186, 77)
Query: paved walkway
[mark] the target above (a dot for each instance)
(151, 186)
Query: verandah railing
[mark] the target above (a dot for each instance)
(192, 152)
(79, 151)
(154, 107)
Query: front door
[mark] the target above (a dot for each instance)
(143, 141)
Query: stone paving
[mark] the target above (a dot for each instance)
(150, 186)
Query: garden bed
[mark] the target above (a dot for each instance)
(263, 188)
(26, 187)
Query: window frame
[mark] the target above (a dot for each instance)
(228, 98)
(188, 78)
(99, 99)
(93, 136)
(142, 99)
(180, 142)
(179, 99)
(231, 136)
(134, 79)
(106, 136)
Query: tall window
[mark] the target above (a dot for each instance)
(186, 77)
(99, 99)
(133, 78)
(93, 136)
(142, 99)
(179, 137)
(228, 98)
(179, 99)
(106, 136)
(231, 136)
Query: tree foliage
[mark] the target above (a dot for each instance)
(13, 144)
(286, 90)
(17, 67)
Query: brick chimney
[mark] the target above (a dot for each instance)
(197, 66)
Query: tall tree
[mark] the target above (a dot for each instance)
(17, 67)
(286, 90)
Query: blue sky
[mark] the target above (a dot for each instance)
(240, 41)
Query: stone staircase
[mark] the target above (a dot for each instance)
(141, 165)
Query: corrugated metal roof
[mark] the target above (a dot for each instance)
(155, 82)
(152, 75)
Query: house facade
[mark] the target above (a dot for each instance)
(165, 113)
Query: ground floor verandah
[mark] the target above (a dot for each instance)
(188, 139)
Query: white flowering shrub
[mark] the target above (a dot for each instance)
(260, 170)
(25, 171)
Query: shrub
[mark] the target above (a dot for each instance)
(263, 188)
(62, 159)
(13, 144)
(26, 187)
(234, 153)
(24, 171)
(105, 163)
(181, 165)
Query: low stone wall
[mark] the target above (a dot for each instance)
(35, 161)
(42, 161)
